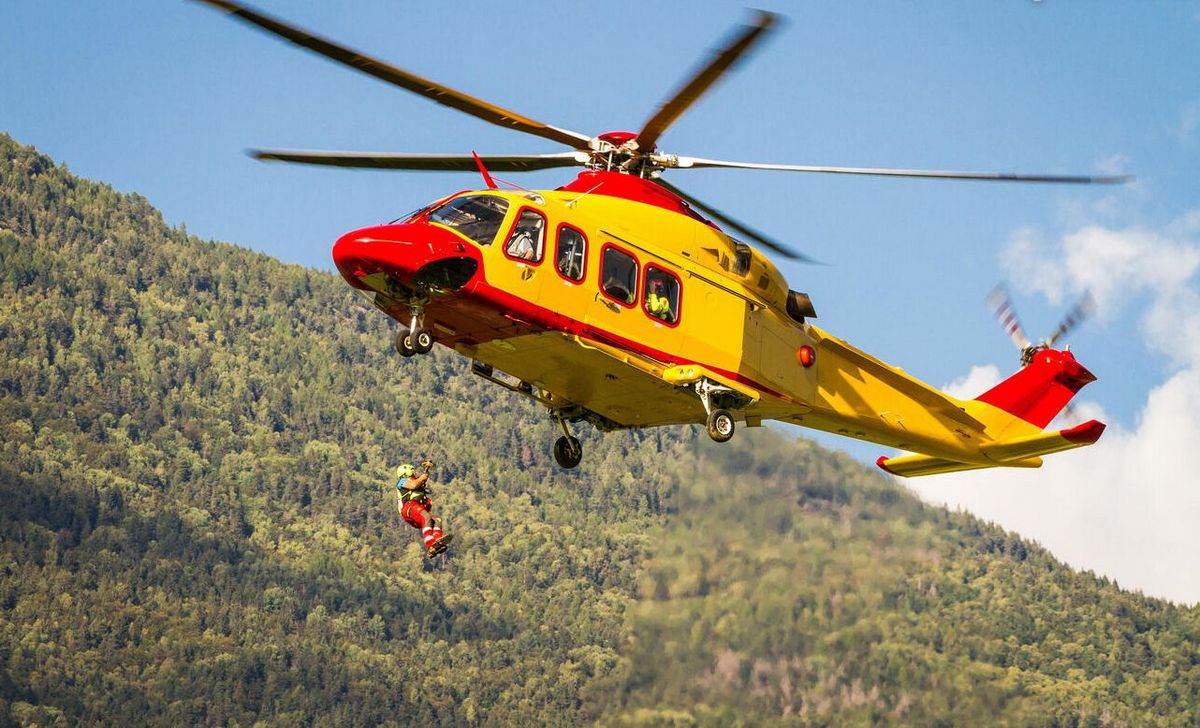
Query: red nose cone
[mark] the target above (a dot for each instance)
(408, 254)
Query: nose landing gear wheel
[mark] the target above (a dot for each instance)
(404, 342)
(422, 341)
(568, 451)
(720, 425)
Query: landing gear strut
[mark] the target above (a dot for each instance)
(568, 451)
(414, 338)
(720, 424)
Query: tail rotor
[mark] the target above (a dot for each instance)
(1006, 314)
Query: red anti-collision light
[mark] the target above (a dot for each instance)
(806, 356)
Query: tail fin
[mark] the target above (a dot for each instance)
(1041, 389)
(1014, 414)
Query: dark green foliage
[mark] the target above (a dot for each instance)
(198, 528)
(852, 603)
(199, 524)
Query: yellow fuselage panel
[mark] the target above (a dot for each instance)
(612, 355)
(724, 322)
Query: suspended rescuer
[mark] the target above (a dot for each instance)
(416, 508)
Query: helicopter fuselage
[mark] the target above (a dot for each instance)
(569, 317)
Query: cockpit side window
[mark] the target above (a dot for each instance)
(618, 275)
(571, 256)
(476, 216)
(528, 237)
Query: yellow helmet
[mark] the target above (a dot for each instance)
(405, 471)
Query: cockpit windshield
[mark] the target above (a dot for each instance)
(476, 216)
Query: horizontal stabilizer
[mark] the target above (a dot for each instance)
(1044, 443)
(909, 466)
(1021, 452)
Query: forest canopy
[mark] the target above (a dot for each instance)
(198, 528)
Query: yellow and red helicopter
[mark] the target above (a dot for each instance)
(617, 300)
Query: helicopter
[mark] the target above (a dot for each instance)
(620, 300)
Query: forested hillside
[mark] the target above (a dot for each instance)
(197, 528)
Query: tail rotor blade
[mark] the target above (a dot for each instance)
(1082, 311)
(1001, 305)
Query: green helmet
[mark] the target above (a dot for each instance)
(405, 471)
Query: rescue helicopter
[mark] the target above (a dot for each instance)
(620, 300)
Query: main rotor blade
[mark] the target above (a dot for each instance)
(1001, 305)
(410, 81)
(1076, 316)
(696, 163)
(674, 107)
(423, 162)
(742, 228)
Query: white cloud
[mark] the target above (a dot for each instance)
(1024, 261)
(1189, 119)
(979, 380)
(1115, 265)
(1129, 506)
(1113, 164)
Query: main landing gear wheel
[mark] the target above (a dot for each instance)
(720, 425)
(404, 344)
(568, 451)
(422, 341)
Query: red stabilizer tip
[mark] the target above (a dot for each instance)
(884, 458)
(1085, 434)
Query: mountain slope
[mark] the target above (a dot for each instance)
(197, 447)
(838, 599)
(198, 527)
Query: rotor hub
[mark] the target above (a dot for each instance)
(617, 151)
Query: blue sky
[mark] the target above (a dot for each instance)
(160, 98)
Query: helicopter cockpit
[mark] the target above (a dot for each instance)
(476, 216)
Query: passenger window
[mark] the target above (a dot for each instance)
(662, 295)
(572, 253)
(618, 275)
(527, 238)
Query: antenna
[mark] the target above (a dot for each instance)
(585, 194)
(487, 178)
